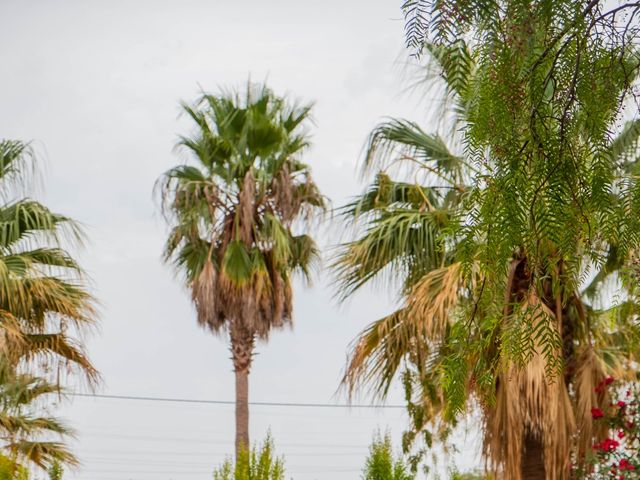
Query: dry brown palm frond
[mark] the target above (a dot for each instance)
(434, 297)
(203, 292)
(283, 191)
(12, 337)
(588, 377)
(529, 402)
(380, 350)
(245, 209)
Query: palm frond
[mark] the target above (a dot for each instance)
(403, 139)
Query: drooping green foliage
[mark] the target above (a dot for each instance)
(381, 464)
(260, 463)
(516, 230)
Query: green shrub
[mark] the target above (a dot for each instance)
(257, 464)
(381, 463)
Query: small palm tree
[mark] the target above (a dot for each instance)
(232, 212)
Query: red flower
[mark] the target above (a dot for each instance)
(621, 404)
(620, 434)
(626, 465)
(607, 445)
(608, 380)
(596, 413)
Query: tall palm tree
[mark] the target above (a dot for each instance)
(43, 299)
(458, 349)
(232, 211)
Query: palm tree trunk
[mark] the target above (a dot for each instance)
(533, 459)
(242, 343)
(242, 410)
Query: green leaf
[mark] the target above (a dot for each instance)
(237, 263)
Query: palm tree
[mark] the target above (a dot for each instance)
(42, 296)
(43, 302)
(232, 212)
(460, 350)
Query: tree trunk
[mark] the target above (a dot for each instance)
(533, 459)
(242, 410)
(242, 342)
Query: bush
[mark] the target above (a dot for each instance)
(617, 456)
(381, 463)
(257, 464)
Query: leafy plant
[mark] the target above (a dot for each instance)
(259, 463)
(381, 464)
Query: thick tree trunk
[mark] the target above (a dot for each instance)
(242, 342)
(533, 459)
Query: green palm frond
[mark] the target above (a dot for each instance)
(305, 256)
(403, 139)
(16, 160)
(27, 219)
(408, 241)
(384, 193)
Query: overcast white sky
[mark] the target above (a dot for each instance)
(96, 85)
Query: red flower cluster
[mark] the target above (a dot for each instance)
(617, 457)
(607, 445)
(626, 465)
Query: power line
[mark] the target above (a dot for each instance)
(231, 402)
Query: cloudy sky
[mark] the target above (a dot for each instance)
(96, 86)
